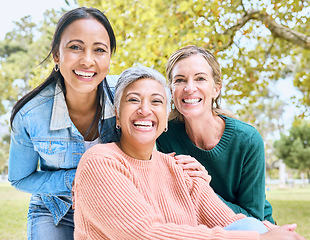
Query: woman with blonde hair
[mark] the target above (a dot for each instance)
(231, 150)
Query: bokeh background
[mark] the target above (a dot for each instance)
(264, 51)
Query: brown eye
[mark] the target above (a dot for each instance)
(179, 80)
(201, 79)
(75, 47)
(133, 100)
(157, 101)
(101, 50)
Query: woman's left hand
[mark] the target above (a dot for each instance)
(194, 167)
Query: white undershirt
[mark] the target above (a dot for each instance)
(89, 144)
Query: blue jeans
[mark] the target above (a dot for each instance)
(41, 224)
(247, 224)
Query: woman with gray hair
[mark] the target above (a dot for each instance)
(194, 169)
(133, 74)
(129, 190)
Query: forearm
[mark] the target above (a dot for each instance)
(248, 212)
(215, 212)
(269, 225)
(251, 190)
(236, 208)
(23, 173)
(48, 182)
(23, 164)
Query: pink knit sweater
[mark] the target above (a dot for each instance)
(118, 197)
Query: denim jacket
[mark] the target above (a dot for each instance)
(46, 147)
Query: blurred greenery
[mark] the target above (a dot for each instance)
(256, 42)
(294, 149)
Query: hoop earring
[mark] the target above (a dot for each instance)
(166, 129)
(56, 67)
(118, 126)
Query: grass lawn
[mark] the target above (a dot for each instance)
(13, 213)
(291, 205)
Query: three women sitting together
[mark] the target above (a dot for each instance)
(127, 189)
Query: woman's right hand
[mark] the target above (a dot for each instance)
(285, 232)
(193, 167)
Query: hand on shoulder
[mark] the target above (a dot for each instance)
(193, 167)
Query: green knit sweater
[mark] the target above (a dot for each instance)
(236, 164)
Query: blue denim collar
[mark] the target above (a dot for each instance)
(60, 118)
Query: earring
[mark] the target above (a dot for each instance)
(56, 68)
(118, 126)
(172, 106)
(166, 129)
(213, 103)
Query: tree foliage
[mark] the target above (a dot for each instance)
(4, 153)
(21, 52)
(256, 42)
(268, 120)
(294, 149)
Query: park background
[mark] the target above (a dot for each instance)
(263, 48)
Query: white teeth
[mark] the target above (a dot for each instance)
(144, 127)
(84, 74)
(191, 100)
(143, 124)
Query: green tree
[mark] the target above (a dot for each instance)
(21, 52)
(294, 149)
(256, 42)
(4, 153)
(14, 59)
(268, 120)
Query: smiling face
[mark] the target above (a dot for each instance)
(84, 56)
(193, 87)
(143, 113)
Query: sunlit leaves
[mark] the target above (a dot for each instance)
(149, 31)
(21, 52)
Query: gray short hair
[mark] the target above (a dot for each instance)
(133, 74)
